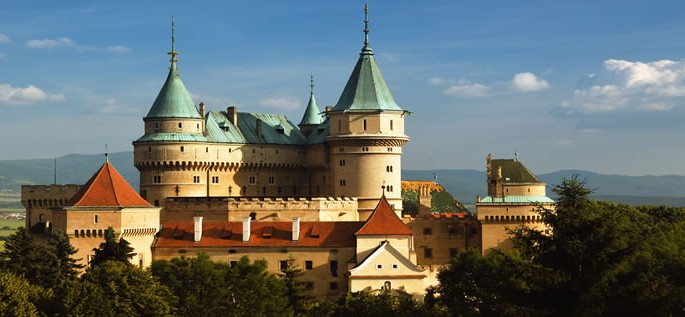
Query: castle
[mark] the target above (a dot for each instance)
(326, 192)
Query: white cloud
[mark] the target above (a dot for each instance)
(4, 38)
(25, 96)
(528, 82)
(111, 106)
(436, 80)
(286, 103)
(50, 43)
(630, 86)
(118, 50)
(463, 88)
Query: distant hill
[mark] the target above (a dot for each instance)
(464, 185)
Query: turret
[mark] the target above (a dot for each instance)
(312, 116)
(366, 136)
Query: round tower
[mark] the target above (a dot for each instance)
(366, 137)
(171, 143)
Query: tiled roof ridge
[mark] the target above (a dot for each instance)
(384, 221)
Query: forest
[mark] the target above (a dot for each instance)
(598, 258)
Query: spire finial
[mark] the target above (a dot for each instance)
(173, 52)
(106, 154)
(367, 49)
(311, 83)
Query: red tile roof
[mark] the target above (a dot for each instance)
(262, 234)
(449, 215)
(384, 221)
(107, 188)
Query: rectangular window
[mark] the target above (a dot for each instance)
(453, 252)
(272, 180)
(196, 179)
(427, 231)
(308, 265)
(215, 179)
(427, 253)
(334, 268)
(342, 162)
(157, 179)
(364, 124)
(96, 218)
(252, 180)
(390, 125)
(283, 265)
(342, 183)
(183, 149)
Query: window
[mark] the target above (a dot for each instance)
(388, 168)
(427, 253)
(427, 231)
(157, 179)
(149, 149)
(95, 219)
(387, 285)
(272, 180)
(333, 286)
(379, 266)
(180, 125)
(284, 265)
(183, 149)
(453, 252)
(308, 265)
(342, 149)
(252, 180)
(395, 266)
(196, 179)
(342, 183)
(364, 124)
(342, 162)
(215, 179)
(253, 216)
(390, 125)
(334, 267)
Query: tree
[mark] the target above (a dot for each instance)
(131, 291)
(18, 297)
(28, 256)
(112, 250)
(366, 304)
(297, 290)
(207, 288)
(66, 267)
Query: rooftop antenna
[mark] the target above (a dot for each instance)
(173, 52)
(516, 156)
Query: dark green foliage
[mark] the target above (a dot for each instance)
(297, 290)
(207, 288)
(112, 250)
(66, 267)
(18, 297)
(600, 258)
(366, 304)
(83, 298)
(130, 291)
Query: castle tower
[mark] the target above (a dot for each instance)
(366, 137)
(173, 129)
(311, 118)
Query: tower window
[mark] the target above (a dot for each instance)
(252, 180)
(215, 179)
(390, 125)
(183, 149)
(180, 125)
(96, 218)
(272, 180)
(157, 179)
(196, 179)
(342, 182)
(149, 149)
(342, 162)
(364, 124)
(308, 265)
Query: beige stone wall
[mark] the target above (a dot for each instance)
(497, 218)
(39, 200)
(536, 189)
(441, 239)
(177, 125)
(320, 275)
(403, 244)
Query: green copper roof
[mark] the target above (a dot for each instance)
(173, 100)
(319, 134)
(366, 89)
(274, 129)
(311, 114)
(513, 171)
(172, 137)
(516, 200)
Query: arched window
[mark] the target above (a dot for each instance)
(387, 286)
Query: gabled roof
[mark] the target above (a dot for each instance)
(107, 188)
(366, 90)
(173, 100)
(365, 266)
(262, 234)
(311, 114)
(319, 134)
(274, 129)
(513, 171)
(384, 221)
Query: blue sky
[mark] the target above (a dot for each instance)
(594, 85)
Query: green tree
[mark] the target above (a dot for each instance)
(366, 304)
(82, 298)
(131, 291)
(112, 250)
(66, 267)
(297, 290)
(207, 288)
(18, 297)
(28, 256)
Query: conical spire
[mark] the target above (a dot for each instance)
(173, 100)
(366, 89)
(311, 114)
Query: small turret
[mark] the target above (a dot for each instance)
(311, 118)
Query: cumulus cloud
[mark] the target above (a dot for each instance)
(50, 43)
(629, 86)
(117, 49)
(467, 89)
(528, 82)
(4, 38)
(286, 103)
(25, 96)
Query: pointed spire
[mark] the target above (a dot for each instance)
(366, 89)
(173, 52)
(311, 114)
(366, 50)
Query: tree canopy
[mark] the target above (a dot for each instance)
(112, 250)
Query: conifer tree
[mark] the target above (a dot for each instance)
(112, 250)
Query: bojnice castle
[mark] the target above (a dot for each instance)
(326, 192)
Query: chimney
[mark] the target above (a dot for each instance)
(202, 110)
(246, 229)
(232, 114)
(296, 228)
(198, 228)
(499, 172)
(259, 127)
